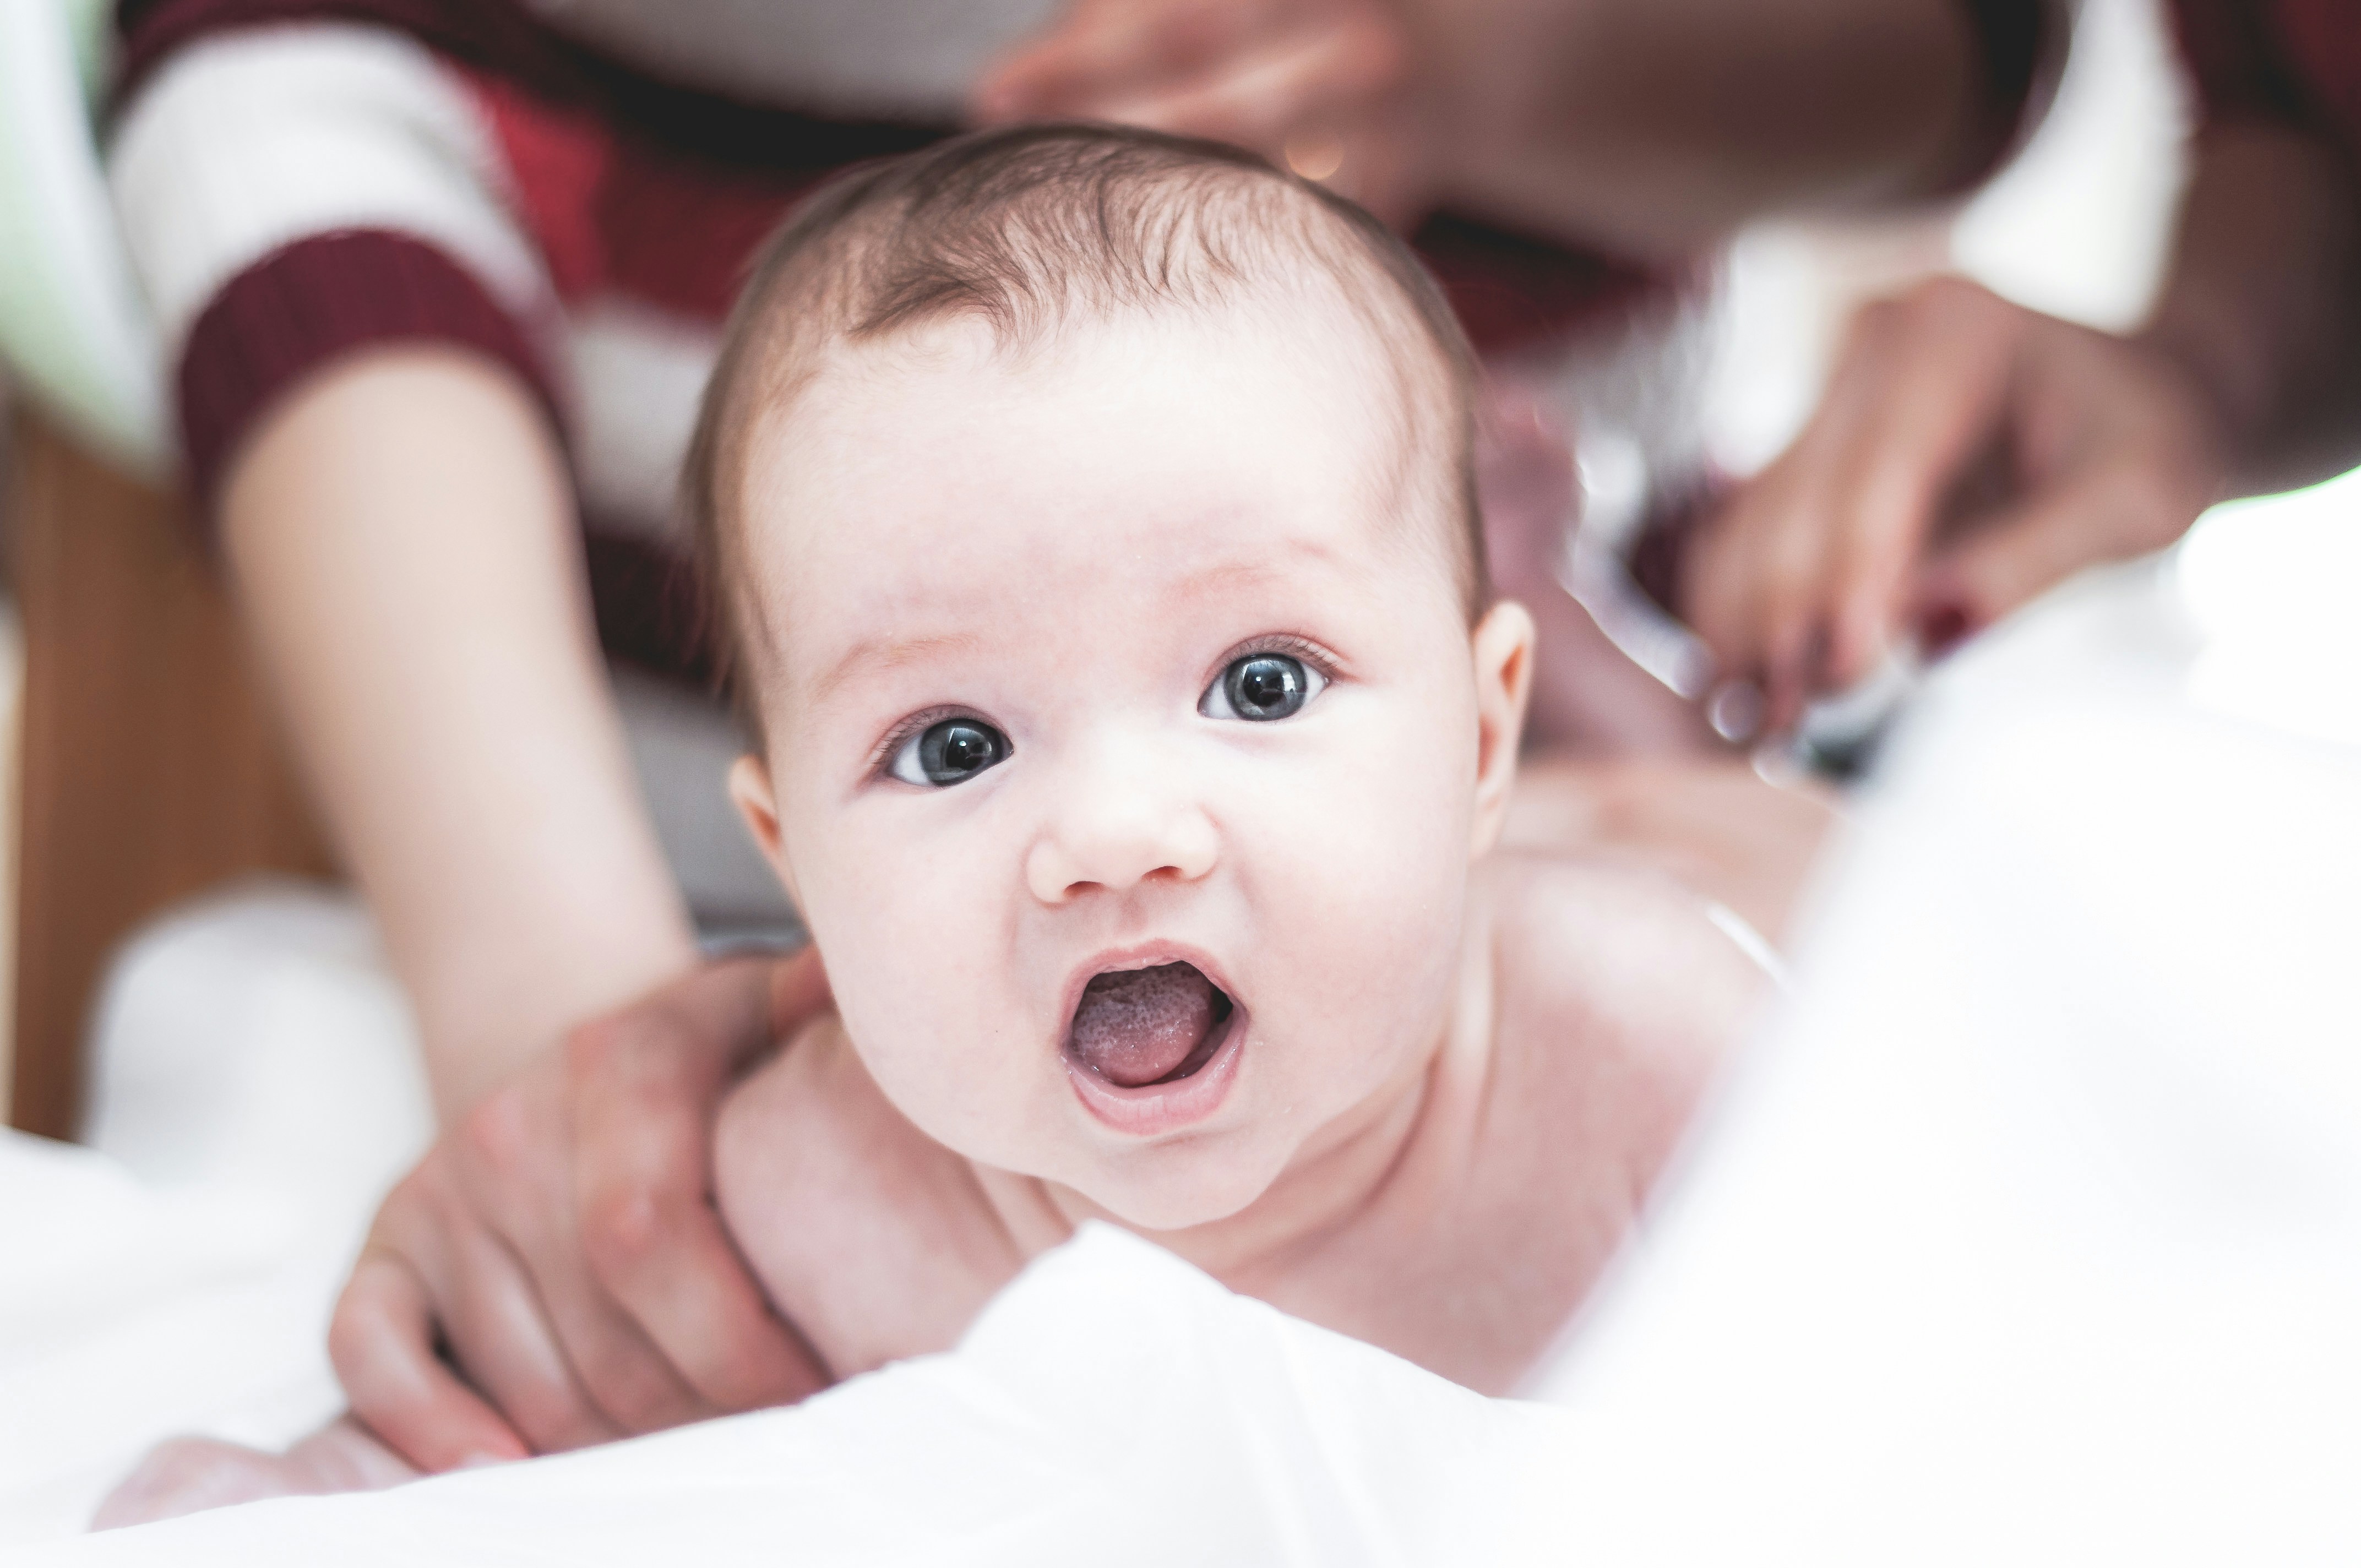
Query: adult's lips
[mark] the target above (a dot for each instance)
(1142, 1026)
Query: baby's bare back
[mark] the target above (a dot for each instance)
(1599, 1001)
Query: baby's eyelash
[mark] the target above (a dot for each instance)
(880, 761)
(1287, 643)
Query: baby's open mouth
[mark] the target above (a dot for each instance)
(1143, 1026)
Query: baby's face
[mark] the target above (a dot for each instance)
(1122, 655)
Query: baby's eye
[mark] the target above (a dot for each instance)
(1261, 686)
(951, 751)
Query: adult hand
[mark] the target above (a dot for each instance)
(1968, 454)
(1328, 87)
(554, 1273)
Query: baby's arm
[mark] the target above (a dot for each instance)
(190, 1474)
(871, 1239)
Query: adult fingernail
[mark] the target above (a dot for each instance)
(479, 1459)
(1944, 627)
(1734, 709)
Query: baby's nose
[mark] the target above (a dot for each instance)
(1119, 824)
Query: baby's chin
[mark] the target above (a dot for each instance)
(1182, 1185)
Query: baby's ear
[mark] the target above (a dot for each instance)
(750, 788)
(1503, 646)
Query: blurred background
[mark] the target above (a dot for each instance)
(2077, 225)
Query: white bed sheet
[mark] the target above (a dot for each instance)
(1113, 1405)
(253, 1092)
(2031, 1233)
(129, 1314)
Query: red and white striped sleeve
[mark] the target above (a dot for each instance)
(291, 194)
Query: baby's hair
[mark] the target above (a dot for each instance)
(1028, 229)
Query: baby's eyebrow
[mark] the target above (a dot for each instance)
(1228, 576)
(888, 653)
(885, 651)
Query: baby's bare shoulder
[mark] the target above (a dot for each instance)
(871, 1238)
(1606, 972)
(1612, 997)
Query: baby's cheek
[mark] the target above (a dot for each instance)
(894, 940)
(1385, 825)
(935, 1025)
(904, 1011)
(1362, 879)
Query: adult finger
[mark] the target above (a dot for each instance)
(1783, 594)
(497, 1333)
(1109, 47)
(513, 1169)
(1794, 636)
(1316, 82)
(1095, 49)
(1942, 403)
(648, 1086)
(1715, 597)
(1749, 593)
(1917, 392)
(492, 1322)
(691, 1289)
(1862, 421)
(381, 1343)
(625, 1376)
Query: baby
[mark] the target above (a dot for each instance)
(1089, 516)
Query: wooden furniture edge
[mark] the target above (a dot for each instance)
(150, 769)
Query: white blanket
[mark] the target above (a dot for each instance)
(129, 1314)
(255, 1089)
(1113, 1405)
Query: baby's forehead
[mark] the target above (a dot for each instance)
(952, 440)
(1368, 372)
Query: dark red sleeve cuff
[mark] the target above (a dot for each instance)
(304, 305)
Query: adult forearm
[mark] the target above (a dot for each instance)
(2263, 302)
(400, 535)
(1655, 127)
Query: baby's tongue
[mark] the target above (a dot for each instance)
(1136, 1025)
